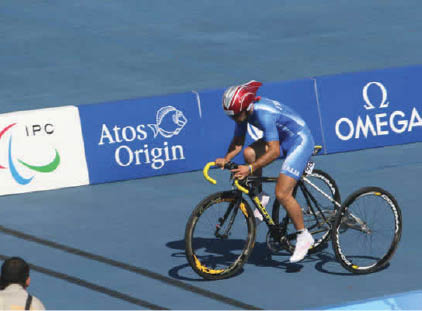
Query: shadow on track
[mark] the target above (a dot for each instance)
(261, 256)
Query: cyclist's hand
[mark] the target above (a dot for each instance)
(220, 162)
(241, 172)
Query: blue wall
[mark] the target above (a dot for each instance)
(371, 109)
(181, 132)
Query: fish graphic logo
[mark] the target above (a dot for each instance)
(48, 168)
(169, 122)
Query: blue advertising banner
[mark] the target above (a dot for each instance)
(176, 133)
(141, 137)
(371, 109)
(216, 128)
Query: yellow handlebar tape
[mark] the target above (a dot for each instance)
(205, 172)
(213, 181)
(243, 189)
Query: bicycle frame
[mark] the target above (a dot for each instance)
(320, 191)
(308, 197)
(246, 186)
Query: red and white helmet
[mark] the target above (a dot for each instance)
(239, 98)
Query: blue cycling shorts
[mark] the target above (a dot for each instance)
(297, 150)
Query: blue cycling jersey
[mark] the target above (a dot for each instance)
(279, 122)
(276, 120)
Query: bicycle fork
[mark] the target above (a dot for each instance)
(230, 216)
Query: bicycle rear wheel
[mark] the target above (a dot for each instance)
(318, 222)
(367, 230)
(220, 235)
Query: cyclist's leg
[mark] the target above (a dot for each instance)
(284, 193)
(253, 152)
(298, 153)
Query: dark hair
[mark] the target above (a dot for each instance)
(14, 270)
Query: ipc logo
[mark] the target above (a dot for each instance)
(47, 168)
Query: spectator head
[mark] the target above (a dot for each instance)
(14, 271)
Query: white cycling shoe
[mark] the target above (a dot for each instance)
(304, 241)
(264, 199)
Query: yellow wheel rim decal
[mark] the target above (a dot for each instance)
(205, 269)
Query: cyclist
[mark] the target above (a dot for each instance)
(284, 132)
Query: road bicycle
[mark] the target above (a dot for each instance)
(220, 234)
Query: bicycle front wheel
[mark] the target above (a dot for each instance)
(367, 230)
(220, 235)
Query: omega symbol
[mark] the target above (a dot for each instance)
(369, 105)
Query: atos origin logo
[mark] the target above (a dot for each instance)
(378, 124)
(12, 161)
(132, 148)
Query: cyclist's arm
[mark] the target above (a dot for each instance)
(235, 148)
(271, 137)
(270, 155)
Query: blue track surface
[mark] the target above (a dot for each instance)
(140, 225)
(407, 301)
(120, 245)
(56, 53)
